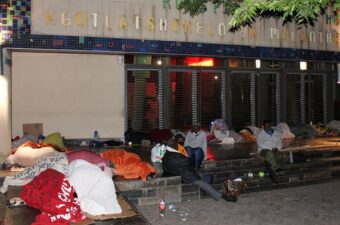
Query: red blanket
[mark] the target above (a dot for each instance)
(51, 192)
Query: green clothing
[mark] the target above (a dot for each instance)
(274, 159)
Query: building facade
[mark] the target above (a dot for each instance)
(79, 66)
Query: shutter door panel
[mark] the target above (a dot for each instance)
(143, 109)
(179, 100)
(293, 99)
(209, 97)
(240, 100)
(265, 98)
(315, 99)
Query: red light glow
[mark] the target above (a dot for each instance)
(197, 61)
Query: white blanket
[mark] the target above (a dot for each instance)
(95, 189)
(284, 130)
(334, 124)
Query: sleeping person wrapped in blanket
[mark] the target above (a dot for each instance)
(88, 173)
(112, 162)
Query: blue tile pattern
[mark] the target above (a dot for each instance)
(15, 19)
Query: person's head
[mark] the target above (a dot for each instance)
(267, 125)
(196, 127)
(172, 143)
(109, 171)
(179, 139)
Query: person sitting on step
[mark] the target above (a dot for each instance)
(269, 146)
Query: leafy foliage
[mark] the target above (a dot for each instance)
(245, 11)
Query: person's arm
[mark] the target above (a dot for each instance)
(204, 145)
(278, 141)
(187, 139)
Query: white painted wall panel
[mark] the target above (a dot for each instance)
(71, 93)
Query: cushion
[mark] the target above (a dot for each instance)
(54, 139)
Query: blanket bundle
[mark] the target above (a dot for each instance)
(127, 164)
(95, 189)
(29, 152)
(52, 193)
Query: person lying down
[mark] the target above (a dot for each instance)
(85, 191)
(58, 161)
(28, 153)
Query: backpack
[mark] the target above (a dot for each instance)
(231, 189)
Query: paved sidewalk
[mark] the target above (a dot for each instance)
(317, 204)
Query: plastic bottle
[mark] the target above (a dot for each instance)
(162, 150)
(162, 207)
(94, 142)
(96, 135)
(291, 157)
(262, 174)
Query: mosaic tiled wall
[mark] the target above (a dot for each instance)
(15, 29)
(14, 19)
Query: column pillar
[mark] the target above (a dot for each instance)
(5, 110)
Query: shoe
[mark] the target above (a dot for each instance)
(15, 202)
(150, 176)
(273, 176)
(229, 198)
(278, 170)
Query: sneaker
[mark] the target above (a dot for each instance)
(15, 202)
(229, 198)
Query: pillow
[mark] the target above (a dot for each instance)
(54, 139)
(26, 156)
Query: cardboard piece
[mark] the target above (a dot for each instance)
(127, 211)
(26, 215)
(8, 172)
(33, 128)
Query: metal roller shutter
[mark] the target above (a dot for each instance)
(293, 99)
(265, 98)
(315, 98)
(240, 100)
(209, 97)
(143, 105)
(179, 100)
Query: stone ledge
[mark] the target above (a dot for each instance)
(150, 192)
(126, 185)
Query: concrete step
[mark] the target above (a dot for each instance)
(322, 167)
(150, 192)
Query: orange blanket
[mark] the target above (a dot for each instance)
(127, 164)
